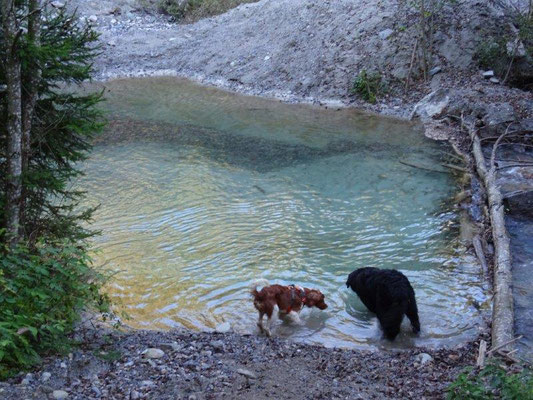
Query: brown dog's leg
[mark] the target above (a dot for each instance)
(260, 322)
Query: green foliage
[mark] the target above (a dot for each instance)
(48, 278)
(42, 291)
(368, 86)
(193, 10)
(492, 382)
(492, 54)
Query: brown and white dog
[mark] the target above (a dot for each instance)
(288, 299)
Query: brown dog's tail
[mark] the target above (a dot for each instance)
(255, 284)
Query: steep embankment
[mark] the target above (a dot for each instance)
(293, 49)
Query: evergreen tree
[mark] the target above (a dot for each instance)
(46, 127)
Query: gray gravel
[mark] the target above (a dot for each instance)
(231, 366)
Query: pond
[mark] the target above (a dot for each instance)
(202, 192)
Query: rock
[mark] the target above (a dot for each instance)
(27, 379)
(153, 353)
(267, 58)
(497, 117)
(224, 327)
(494, 80)
(488, 74)
(516, 48)
(3, 88)
(147, 383)
(45, 376)
(57, 4)
(385, 34)
(247, 373)
(432, 106)
(59, 394)
(111, 43)
(134, 395)
(217, 345)
(97, 392)
(174, 346)
(520, 204)
(46, 389)
(92, 18)
(63, 365)
(435, 70)
(113, 21)
(423, 358)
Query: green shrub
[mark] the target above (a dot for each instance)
(492, 54)
(42, 291)
(368, 86)
(492, 382)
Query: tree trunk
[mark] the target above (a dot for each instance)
(31, 78)
(14, 119)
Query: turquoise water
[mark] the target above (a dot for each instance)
(202, 192)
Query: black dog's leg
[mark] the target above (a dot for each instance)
(391, 320)
(412, 312)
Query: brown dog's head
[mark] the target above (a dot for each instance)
(315, 298)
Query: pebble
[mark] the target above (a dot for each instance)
(494, 80)
(267, 58)
(385, 34)
(435, 71)
(423, 358)
(46, 389)
(225, 327)
(488, 74)
(63, 365)
(45, 376)
(147, 383)
(134, 395)
(247, 373)
(153, 353)
(92, 18)
(217, 345)
(57, 4)
(59, 394)
(96, 391)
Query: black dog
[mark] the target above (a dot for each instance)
(388, 294)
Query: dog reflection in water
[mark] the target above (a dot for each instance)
(290, 300)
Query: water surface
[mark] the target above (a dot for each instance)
(202, 192)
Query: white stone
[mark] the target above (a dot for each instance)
(224, 327)
(46, 376)
(488, 74)
(93, 18)
(247, 373)
(153, 353)
(57, 4)
(63, 365)
(385, 34)
(494, 80)
(113, 21)
(423, 358)
(267, 58)
(59, 394)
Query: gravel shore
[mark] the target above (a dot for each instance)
(187, 365)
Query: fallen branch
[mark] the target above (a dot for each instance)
(422, 167)
(478, 248)
(502, 310)
(494, 349)
(480, 362)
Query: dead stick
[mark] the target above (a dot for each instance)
(480, 362)
(421, 167)
(504, 344)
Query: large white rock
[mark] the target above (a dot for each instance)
(153, 353)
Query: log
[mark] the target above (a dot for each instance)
(502, 303)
